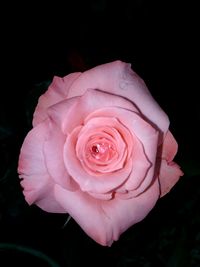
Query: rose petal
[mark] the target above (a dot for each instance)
(92, 100)
(63, 112)
(57, 91)
(140, 169)
(41, 193)
(168, 176)
(119, 79)
(104, 221)
(31, 160)
(53, 154)
(169, 147)
(106, 196)
(37, 183)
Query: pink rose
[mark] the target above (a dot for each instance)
(100, 149)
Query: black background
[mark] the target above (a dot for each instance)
(159, 38)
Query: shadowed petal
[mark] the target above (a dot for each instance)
(169, 147)
(169, 175)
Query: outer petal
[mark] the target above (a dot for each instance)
(65, 113)
(169, 147)
(53, 153)
(92, 100)
(169, 176)
(41, 193)
(37, 184)
(169, 172)
(57, 91)
(104, 221)
(117, 78)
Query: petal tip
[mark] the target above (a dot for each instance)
(170, 174)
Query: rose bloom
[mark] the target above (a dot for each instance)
(100, 149)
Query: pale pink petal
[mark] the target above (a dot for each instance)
(41, 193)
(53, 154)
(105, 221)
(94, 99)
(106, 196)
(168, 176)
(88, 213)
(169, 147)
(65, 115)
(31, 159)
(37, 183)
(33, 185)
(57, 91)
(119, 79)
(140, 168)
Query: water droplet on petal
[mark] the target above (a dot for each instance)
(103, 151)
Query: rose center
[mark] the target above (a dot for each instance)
(102, 151)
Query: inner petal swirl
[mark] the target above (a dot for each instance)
(101, 150)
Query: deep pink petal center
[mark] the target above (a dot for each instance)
(101, 150)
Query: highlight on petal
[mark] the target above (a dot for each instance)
(169, 175)
(92, 100)
(36, 181)
(118, 78)
(102, 220)
(57, 91)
